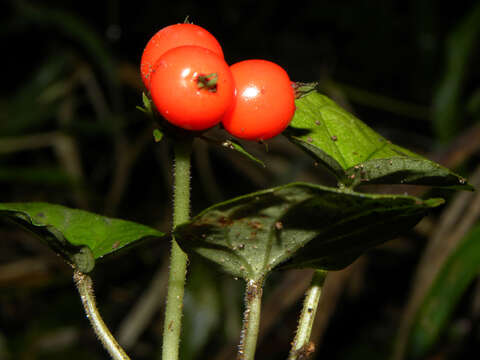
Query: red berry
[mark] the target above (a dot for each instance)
(192, 87)
(264, 101)
(171, 37)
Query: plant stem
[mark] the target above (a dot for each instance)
(251, 320)
(302, 348)
(178, 260)
(85, 288)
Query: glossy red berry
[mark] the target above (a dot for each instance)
(192, 87)
(264, 101)
(171, 37)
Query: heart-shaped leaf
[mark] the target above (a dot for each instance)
(354, 152)
(79, 236)
(297, 225)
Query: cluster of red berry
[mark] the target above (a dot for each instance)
(193, 87)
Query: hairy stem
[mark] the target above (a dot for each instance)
(178, 260)
(251, 320)
(85, 288)
(302, 348)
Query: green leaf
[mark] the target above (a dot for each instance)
(202, 309)
(147, 103)
(297, 225)
(79, 31)
(157, 135)
(35, 175)
(458, 272)
(473, 104)
(79, 236)
(24, 110)
(355, 153)
(138, 107)
(233, 145)
(461, 45)
(147, 109)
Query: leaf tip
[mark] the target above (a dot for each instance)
(434, 202)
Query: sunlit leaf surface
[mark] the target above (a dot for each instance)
(355, 153)
(79, 236)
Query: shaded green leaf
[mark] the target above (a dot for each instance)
(79, 31)
(456, 275)
(35, 175)
(473, 105)
(147, 106)
(147, 103)
(354, 152)
(26, 110)
(79, 236)
(461, 45)
(233, 145)
(297, 225)
(138, 107)
(378, 101)
(157, 135)
(202, 309)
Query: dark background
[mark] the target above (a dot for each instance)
(70, 134)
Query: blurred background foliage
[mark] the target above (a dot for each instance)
(70, 134)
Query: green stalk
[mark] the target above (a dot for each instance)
(85, 289)
(302, 348)
(251, 320)
(178, 260)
